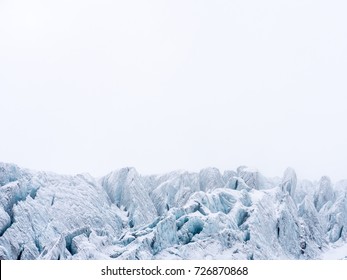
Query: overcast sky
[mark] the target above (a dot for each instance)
(93, 86)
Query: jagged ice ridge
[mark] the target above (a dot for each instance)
(180, 215)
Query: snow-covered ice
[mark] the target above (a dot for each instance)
(335, 253)
(180, 215)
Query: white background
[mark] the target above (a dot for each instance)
(91, 270)
(92, 86)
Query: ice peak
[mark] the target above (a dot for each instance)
(289, 181)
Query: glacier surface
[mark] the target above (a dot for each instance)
(180, 215)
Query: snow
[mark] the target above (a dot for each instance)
(335, 253)
(180, 215)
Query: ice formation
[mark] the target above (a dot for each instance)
(180, 215)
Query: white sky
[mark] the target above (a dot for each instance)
(92, 86)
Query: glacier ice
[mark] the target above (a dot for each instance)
(324, 194)
(125, 188)
(289, 181)
(179, 215)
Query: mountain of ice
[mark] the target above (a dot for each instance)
(180, 215)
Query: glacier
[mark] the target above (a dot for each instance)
(237, 214)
